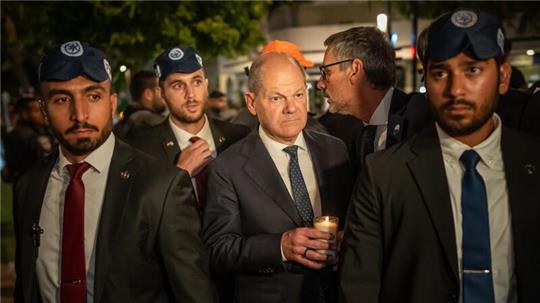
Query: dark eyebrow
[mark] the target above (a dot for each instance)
(437, 65)
(176, 81)
(54, 92)
(94, 87)
(58, 91)
(442, 64)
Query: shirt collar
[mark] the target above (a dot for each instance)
(380, 116)
(99, 159)
(275, 147)
(183, 136)
(489, 150)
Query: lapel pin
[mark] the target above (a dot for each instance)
(396, 129)
(530, 169)
(169, 144)
(221, 139)
(125, 174)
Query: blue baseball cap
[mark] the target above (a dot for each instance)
(72, 59)
(177, 60)
(465, 30)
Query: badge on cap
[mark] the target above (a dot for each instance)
(72, 49)
(464, 19)
(157, 71)
(107, 67)
(176, 54)
(500, 39)
(199, 59)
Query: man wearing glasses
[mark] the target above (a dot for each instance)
(357, 77)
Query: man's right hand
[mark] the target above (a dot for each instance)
(301, 245)
(194, 157)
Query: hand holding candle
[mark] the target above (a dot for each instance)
(328, 224)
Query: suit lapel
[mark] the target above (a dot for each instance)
(122, 172)
(396, 118)
(522, 170)
(218, 135)
(261, 168)
(428, 171)
(32, 207)
(168, 141)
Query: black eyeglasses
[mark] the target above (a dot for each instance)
(323, 68)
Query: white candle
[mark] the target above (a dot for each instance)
(328, 224)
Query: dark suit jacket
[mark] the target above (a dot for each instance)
(402, 122)
(249, 208)
(160, 142)
(148, 246)
(400, 242)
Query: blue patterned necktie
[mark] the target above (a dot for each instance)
(303, 204)
(477, 275)
(298, 186)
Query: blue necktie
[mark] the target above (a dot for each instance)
(303, 205)
(299, 190)
(477, 275)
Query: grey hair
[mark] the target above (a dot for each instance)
(370, 45)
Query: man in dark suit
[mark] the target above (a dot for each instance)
(265, 190)
(188, 138)
(147, 107)
(29, 142)
(101, 221)
(357, 77)
(451, 214)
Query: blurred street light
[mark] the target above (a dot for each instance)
(382, 22)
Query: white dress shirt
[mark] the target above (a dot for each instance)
(281, 161)
(48, 264)
(182, 137)
(380, 118)
(491, 168)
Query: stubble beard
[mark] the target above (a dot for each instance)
(84, 146)
(457, 126)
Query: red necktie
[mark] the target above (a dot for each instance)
(73, 282)
(200, 179)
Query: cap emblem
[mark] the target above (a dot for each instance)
(199, 59)
(107, 67)
(464, 19)
(157, 71)
(72, 49)
(500, 39)
(176, 54)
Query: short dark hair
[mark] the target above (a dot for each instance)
(140, 82)
(370, 45)
(23, 103)
(216, 94)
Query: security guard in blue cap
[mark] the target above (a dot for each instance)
(98, 222)
(188, 139)
(451, 214)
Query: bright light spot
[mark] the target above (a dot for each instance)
(382, 22)
(422, 89)
(530, 52)
(123, 68)
(394, 38)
